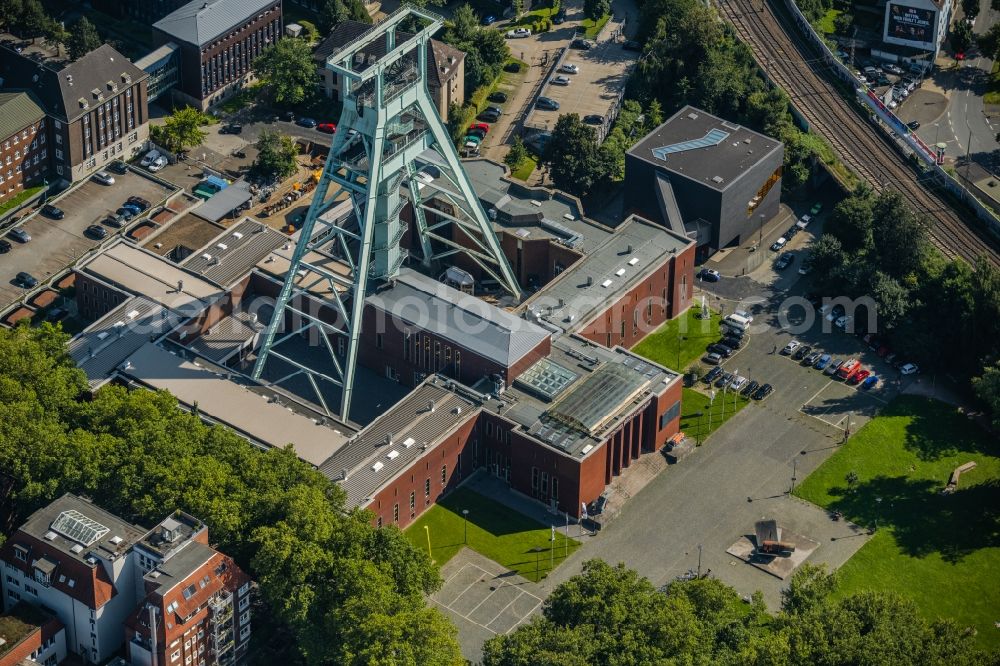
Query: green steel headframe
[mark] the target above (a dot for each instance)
(389, 133)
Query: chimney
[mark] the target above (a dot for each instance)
(590, 281)
(628, 249)
(388, 439)
(343, 474)
(430, 406)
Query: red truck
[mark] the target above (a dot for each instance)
(847, 370)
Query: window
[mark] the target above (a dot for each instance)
(20, 552)
(413, 500)
(534, 478)
(244, 603)
(59, 154)
(395, 513)
(244, 618)
(175, 655)
(59, 139)
(378, 341)
(379, 522)
(444, 474)
(244, 634)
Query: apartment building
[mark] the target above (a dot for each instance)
(23, 145)
(218, 41)
(97, 107)
(163, 591)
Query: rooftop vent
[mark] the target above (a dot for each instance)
(132, 314)
(408, 442)
(116, 540)
(206, 256)
(84, 104)
(633, 261)
(606, 284)
(392, 455)
(76, 548)
(222, 246)
(237, 235)
(377, 466)
(620, 272)
(590, 280)
(69, 79)
(693, 116)
(716, 179)
(98, 95)
(430, 406)
(50, 536)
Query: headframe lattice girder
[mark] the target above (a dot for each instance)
(388, 120)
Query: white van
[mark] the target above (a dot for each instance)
(737, 322)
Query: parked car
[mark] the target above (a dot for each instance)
(25, 280)
(859, 376)
(119, 167)
(791, 347)
(326, 128)
(816, 208)
(870, 382)
(483, 127)
(488, 116)
(48, 210)
(138, 201)
(894, 69)
(473, 138)
(778, 244)
(96, 231)
(723, 379)
(805, 268)
(843, 321)
(720, 349)
(518, 33)
(560, 80)
(802, 352)
(104, 178)
(712, 359)
(738, 383)
(711, 375)
(832, 368)
(560, 17)
(513, 67)
(750, 388)
(5, 246)
(763, 392)
(848, 368)
(909, 369)
(823, 361)
(489, 19)
(497, 97)
(709, 275)
(593, 119)
(784, 261)
(835, 313)
(811, 358)
(19, 234)
(116, 221)
(157, 164)
(125, 213)
(913, 125)
(568, 68)
(547, 103)
(149, 158)
(583, 44)
(733, 342)
(231, 128)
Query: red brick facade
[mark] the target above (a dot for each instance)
(24, 159)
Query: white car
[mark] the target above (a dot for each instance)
(158, 164)
(560, 80)
(804, 221)
(909, 369)
(746, 315)
(791, 347)
(150, 157)
(569, 69)
(518, 32)
(778, 244)
(738, 383)
(843, 321)
(804, 269)
(104, 178)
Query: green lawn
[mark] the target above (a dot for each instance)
(20, 198)
(495, 531)
(525, 169)
(942, 551)
(681, 340)
(713, 412)
(592, 28)
(992, 95)
(825, 24)
(528, 18)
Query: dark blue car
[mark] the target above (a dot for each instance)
(306, 122)
(489, 20)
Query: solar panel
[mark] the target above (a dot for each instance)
(714, 137)
(78, 527)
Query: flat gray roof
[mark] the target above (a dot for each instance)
(225, 201)
(467, 321)
(226, 338)
(704, 148)
(104, 345)
(201, 21)
(533, 212)
(423, 417)
(600, 278)
(141, 272)
(232, 254)
(222, 400)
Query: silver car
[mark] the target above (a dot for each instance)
(104, 178)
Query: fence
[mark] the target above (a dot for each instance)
(889, 119)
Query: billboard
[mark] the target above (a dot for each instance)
(910, 23)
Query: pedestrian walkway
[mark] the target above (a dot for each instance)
(496, 489)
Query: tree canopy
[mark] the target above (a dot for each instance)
(182, 129)
(83, 39)
(288, 70)
(347, 593)
(332, 12)
(573, 156)
(485, 49)
(611, 615)
(275, 157)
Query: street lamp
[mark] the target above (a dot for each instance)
(699, 560)
(794, 465)
(427, 529)
(536, 550)
(465, 517)
(698, 436)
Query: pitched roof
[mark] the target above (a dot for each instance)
(17, 111)
(104, 70)
(200, 21)
(443, 63)
(467, 321)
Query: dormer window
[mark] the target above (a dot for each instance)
(21, 553)
(42, 577)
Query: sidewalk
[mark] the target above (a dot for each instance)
(496, 489)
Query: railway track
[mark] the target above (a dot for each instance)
(795, 66)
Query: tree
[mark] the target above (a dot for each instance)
(34, 21)
(573, 157)
(962, 37)
(309, 30)
(852, 479)
(332, 12)
(595, 10)
(518, 8)
(516, 155)
(989, 42)
(182, 129)
(10, 13)
(288, 70)
(970, 8)
(892, 300)
(276, 156)
(83, 39)
(58, 35)
(987, 388)
(464, 25)
(810, 587)
(843, 23)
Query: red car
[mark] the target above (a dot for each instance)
(479, 126)
(859, 376)
(327, 128)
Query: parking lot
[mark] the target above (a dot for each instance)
(603, 71)
(56, 244)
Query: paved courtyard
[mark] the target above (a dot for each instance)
(483, 599)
